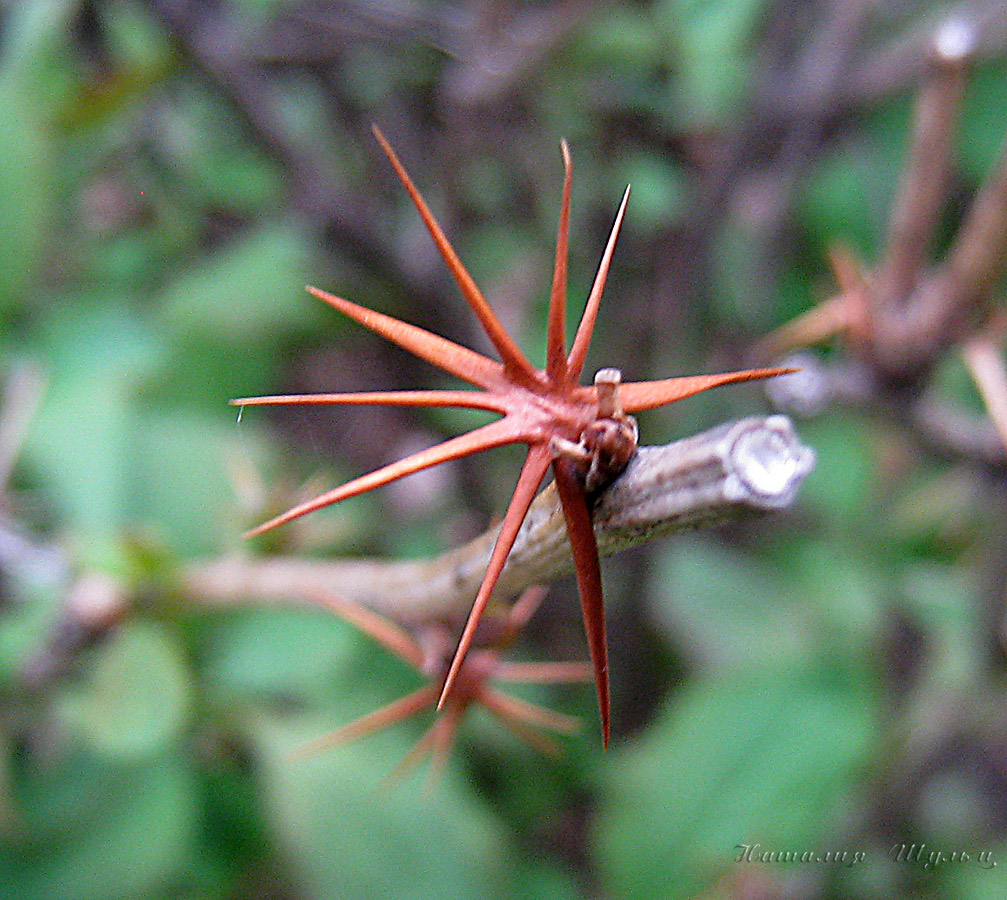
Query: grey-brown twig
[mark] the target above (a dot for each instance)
(736, 469)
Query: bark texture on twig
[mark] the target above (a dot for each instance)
(736, 469)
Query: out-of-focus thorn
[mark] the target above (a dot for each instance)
(392, 636)
(387, 715)
(854, 284)
(517, 710)
(412, 759)
(985, 361)
(561, 672)
(524, 608)
(845, 313)
(977, 259)
(829, 318)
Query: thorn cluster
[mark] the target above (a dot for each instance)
(585, 434)
(472, 686)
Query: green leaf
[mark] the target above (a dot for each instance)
(740, 758)
(26, 158)
(846, 589)
(847, 195)
(249, 291)
(708, 43)
(134, 37)
(209, 151)
(81, 440)
(660, 190)
(36, 601)
(982, 129)
(78, 443)
(110, 833)
(980, 878)
(289, 652)
(348, 838)
(136, 700)
(620, 38)
(727, 609)
(540, 879)
(945, 600)
(32, 33)
(180, 482)
(743, 274)
(843, 482)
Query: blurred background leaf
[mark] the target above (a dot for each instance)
(719, 770)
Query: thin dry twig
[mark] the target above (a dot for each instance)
(923, 187)
(979, 254)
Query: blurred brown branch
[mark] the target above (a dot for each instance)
(901, 318)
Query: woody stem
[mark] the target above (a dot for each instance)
(736, 469)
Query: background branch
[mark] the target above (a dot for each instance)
(923, 186)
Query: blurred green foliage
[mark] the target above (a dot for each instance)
(827, 679)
